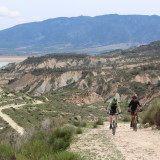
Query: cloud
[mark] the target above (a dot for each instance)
(5, 12)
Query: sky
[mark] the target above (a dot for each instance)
(13, 12)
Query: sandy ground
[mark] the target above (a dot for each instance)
(12, 58)
(100, 144)
(9, 120)
(143, 144)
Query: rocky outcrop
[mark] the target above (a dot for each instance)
(67, 78)
(146, 78)
(89, 98)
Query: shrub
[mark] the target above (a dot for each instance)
(95, 125)
(79, 130)
(66, 156)
(60, 139)
(79, 124)
(152, 115)
(34, 149)
(126, 118)
(99, 121)
(41, 145)
(6, 152)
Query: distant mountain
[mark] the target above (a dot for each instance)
(80, 34)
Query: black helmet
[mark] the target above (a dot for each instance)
(134, 97)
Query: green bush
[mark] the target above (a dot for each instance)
(66, 156)
(126, 118)
(60, 139)
(6, 152)
(83, 124)
(79, 124)
(34, 149)
(152, 115)
(79, 130)
(95, 125)
(99, 121)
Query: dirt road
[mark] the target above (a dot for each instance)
(100, 144)
(9, 120)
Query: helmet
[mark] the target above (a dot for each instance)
(115, 99)
(134, 97)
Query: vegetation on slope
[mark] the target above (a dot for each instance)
(152, 115)
(49, 142)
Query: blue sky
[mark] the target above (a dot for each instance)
(13, 12)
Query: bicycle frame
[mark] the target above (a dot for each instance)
(134, 120)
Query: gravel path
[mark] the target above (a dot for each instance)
(100, 144)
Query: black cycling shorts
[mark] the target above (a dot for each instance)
(132, 112)
(112, 113)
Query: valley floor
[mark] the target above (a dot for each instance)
(100, 144)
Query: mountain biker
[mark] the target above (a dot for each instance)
(113, 109)
(133, 105)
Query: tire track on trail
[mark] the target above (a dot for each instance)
(9, 120)
(100, 144)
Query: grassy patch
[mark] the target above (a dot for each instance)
(79, 130)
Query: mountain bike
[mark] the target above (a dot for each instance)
(114, 126)
(135, 119)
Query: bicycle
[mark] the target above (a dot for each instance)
(114, 126)
(135, 119)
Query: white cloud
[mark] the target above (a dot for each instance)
(5, 12)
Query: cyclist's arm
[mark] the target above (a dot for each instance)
(129, 106)
(108, 108)
(119, 108)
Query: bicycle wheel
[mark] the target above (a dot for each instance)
(113, 128)
(135, 124)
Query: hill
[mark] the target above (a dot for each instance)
(45, 99)
(79, 34)
(100, 77)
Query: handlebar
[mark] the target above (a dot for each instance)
(137, 110)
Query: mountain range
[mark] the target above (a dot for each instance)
(80, 34)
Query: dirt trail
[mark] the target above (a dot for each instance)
(9, 120)
(143, 144)
(100, 144)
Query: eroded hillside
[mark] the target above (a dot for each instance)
(100, 77)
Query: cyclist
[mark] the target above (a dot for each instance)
(113, 109)
(133, 105)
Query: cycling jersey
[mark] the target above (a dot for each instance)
(134, 105)
(113, 107)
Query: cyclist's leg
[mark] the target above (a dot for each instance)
(110, 119)
(132, 116)
(116, 115)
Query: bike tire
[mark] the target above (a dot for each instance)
(135, 125)
(113, 131)
(135, 128)
(114, 128)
